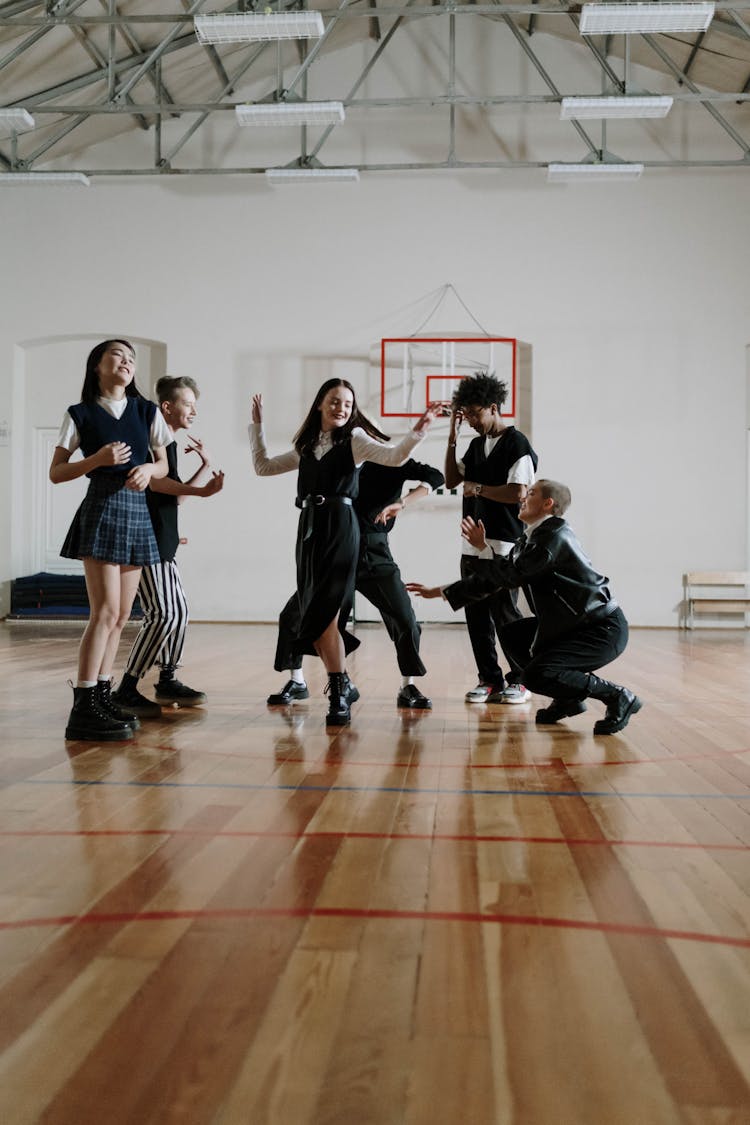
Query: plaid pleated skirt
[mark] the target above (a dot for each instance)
(113, 524)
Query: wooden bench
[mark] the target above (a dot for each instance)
(715, 592)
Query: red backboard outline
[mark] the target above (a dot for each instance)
(509, 408)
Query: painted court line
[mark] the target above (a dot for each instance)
(621, 929)
(437, 837)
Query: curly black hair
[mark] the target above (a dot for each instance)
(480, 389)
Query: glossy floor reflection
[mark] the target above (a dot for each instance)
(428, 917)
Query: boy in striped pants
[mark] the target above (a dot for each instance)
(161, 638)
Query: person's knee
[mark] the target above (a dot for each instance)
(105, 616)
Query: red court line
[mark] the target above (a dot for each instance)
(437, 837)
(370, 914)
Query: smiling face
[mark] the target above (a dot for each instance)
(336, 408)
(534, 505)
(180, 412)
(116, 369)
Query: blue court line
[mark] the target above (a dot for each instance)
(386, 789)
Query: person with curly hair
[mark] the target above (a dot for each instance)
(495, 471)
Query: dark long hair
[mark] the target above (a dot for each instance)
(91, 389)
(309, 431)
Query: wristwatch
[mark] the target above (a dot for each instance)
(477, 489)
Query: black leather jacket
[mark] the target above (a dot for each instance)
(560, 585)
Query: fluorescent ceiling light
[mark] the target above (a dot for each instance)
(247, 28)
(17, 119)
(630, 19)
(44, 178)
(574, 173)
(291, 113)
(633, 106)
(297, 175)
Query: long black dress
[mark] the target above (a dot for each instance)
(327, 542)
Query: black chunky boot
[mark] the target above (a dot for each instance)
(338, 700)
(89, 723)
(620, 702)
(352, 691)
(108, 705)
(559, 709)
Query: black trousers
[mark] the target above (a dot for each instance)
(379, 579)
(561, 668)
(484, 620)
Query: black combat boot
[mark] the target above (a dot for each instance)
(169, 690)
(620, 703)
(338, 700)
(108, 705)
(89, 723)
(559, 709)
(128, 698)
(352, 691)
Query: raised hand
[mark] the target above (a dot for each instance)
(195, 445)
(214, 485)
(473, 533)
(257, 408)
(423, 424)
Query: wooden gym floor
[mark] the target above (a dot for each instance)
(447, 918)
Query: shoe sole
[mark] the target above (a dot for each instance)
(74, 735)
(509, 702)
(417, 706)
(337, 722)
(633, 709)
(277, 701)
(164, 702)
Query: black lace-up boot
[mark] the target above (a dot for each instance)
(620, 704)
(108, 705)
(338, 700)
(89, 723)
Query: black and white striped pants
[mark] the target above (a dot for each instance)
(162, 635)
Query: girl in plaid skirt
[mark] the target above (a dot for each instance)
(116, 429)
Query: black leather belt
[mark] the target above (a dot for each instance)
(319, 501)
(310, 503)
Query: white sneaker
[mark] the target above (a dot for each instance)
(481, 693)
(513, 693)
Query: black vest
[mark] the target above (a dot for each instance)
(500, 520)
(335, 474)
(163, 509)
(97, 427)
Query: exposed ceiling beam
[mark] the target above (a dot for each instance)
(680, 74)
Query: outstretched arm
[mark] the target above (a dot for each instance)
(264, 465)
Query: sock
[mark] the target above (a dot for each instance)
(166, 674)
(296, 675)
(86, 683)
(103, 679)
(406, 681)
(129, 683)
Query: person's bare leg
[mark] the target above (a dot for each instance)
(128, 587)
(103, 588)
(330, 648)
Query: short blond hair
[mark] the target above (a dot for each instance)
(558, 493)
